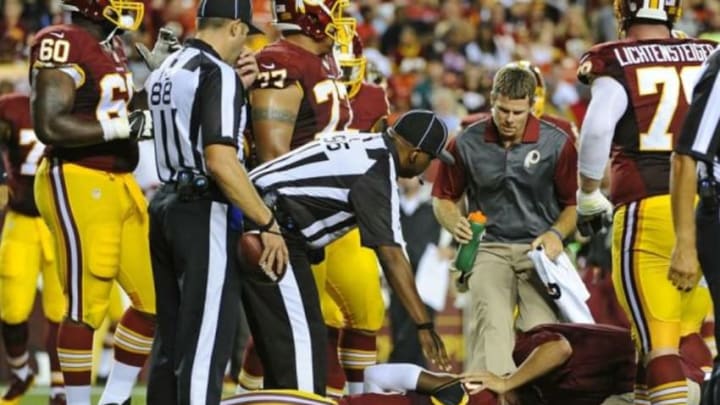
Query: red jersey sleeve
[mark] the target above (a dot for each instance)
(529, 341)
(62, 47)
(276, 70)
(450, 180)
(599, 61)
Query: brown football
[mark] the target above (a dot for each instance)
(250, 248)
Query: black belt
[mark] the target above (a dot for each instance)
(191, 186)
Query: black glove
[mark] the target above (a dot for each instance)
(140, 125)
(166, 44)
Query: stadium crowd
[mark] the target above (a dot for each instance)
(448, 66)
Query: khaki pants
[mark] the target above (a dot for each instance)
(503, 278)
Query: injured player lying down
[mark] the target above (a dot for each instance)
(559, 364)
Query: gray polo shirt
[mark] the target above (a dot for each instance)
(521, 189)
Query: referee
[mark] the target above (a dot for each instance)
(198, 102)
(319, 192)
(695, 170)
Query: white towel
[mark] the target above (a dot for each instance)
(564, 285)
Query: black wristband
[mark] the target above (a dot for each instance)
(426, 326)
(266, 227)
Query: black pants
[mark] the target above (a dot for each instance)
(406, 345)
(287, 325)
(197, 291)
(708, 242)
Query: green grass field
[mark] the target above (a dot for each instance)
(39, 396)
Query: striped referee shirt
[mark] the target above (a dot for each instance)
(700, 137)
(196, 100)
(338, 182)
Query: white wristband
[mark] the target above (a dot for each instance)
(115, 128)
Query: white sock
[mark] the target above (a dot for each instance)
(20, 366)
(78, 394)
(22, 372)
(355, 388)
(55, 391)
(106, 361)
(120, 383)
(393, 377)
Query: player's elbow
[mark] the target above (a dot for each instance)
(562, 349)
(45, 131)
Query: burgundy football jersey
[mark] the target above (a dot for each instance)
(325, 106)
(21, 153)
(412, 398)
(103, 84)
(658, 76)
(369, 106)
(602, 362)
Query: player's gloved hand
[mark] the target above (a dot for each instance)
(166, 44)
(594, 212)
(140, 124)
(137, 125)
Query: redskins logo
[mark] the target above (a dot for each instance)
(531, 159)
(585, 68)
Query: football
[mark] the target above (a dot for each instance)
(250, 248)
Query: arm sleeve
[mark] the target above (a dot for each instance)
(700, 136)
(450, 180)
(375, 199)
(565, 179)
(608, 104)
(222, 105)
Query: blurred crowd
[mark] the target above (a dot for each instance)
(437, 54)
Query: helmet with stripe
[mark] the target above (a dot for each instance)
(665, 11)
(318, 19)
(124, 14)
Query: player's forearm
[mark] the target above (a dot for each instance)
(69, 131)
(232, 179)
(541, 361)
(567, 220)
(52, 101)
(447, 213)
(588, 185)
(683, 188)
(400, 277)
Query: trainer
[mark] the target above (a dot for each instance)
(198, 101)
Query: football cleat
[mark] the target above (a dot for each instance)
(17, 389)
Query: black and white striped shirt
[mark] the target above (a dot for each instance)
(700, 135)
(196, 99)
(338, 182)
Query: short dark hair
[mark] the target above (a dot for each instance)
(514, 82)
(204, 23)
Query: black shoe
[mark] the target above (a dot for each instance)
(17, 389)
(58, 399)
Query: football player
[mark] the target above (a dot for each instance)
(298, 94)
(641, 86)
(559, 364)
(353, 315)
(25, 252)
(85, 190)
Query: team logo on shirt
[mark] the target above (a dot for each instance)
(532, 158)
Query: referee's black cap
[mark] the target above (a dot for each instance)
(424, 130)
(231, 9)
